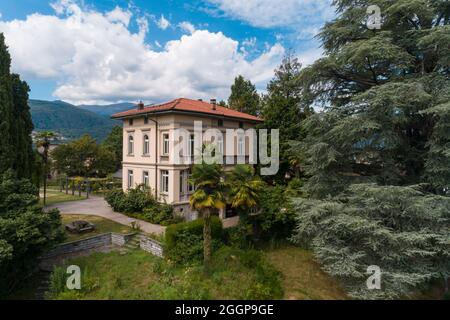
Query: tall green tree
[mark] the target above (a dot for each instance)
(283, 108)
(386, 98)
(15, 122)
(114, 142)
(84, 157)
(208, 198)
(244, 97)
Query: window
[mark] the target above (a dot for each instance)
(145, 120)
(191, 145)
(220, 123)
(130, 145)
(182, 181)
(146, 145)
(130, 122)
(145, 179)
(164, 181)
(130, 179)
(220, 145)
(190, 186)
(241, 146)
(165, 143)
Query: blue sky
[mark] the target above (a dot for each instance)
(104, 51)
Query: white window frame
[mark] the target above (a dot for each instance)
(191, 145)
(165, 181)
(220, 145)
(166, 144)
(130, 145)
(241, 146)
(146, 178)
(130, 179)
(146, 144)
(190, 187)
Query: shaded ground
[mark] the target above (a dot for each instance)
(302, 277)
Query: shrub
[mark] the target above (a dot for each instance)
(135, 200)
(184, 241)
(162, 214)
(277, 217)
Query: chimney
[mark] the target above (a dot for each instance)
(214, 103)
(140, 105)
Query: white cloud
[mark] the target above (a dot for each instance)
(95, 58)
(163, 23)
(186, 27)
(294, 14)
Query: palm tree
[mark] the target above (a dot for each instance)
(43, 140)
(245, 187)
(208, 198)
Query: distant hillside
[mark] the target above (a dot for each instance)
(69, 120)
(108, 110)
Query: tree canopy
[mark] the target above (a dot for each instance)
(244, 97)
(15, 121)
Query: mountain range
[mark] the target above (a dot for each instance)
(73, 121)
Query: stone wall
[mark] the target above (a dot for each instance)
(104, 240)
(90, 243)
(152, 246)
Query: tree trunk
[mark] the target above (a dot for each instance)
(206, 236)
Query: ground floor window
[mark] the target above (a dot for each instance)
(130, 179)
(165, 181)
(145, 179)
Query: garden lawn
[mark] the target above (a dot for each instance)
(139, 275)
(102, 225)
(302, 277)
(54, 196)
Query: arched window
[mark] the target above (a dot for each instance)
(220, 145)
(146, 145)
(241, 146)
(130, 145)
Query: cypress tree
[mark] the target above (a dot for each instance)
(15, 119)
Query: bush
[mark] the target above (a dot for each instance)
(277, 217)
(134, 201)
(184, 241)
(162, 214)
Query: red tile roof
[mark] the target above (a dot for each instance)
(189, 106)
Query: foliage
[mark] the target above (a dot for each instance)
(161, 213)
(385, 94)
(403, 230)
(15, 122)
(244, 97)
(283, 110)
(276, 219)
(184, 240)
(84, 157)
(209, 196)
(25, 230)
(233, 274)
(114, 142)
(133, 201)
(245, 187)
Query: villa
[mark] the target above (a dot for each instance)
(154, 155)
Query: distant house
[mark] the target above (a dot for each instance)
(149, 145)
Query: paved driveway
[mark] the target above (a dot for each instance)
(97, 206)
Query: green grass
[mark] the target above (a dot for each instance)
(54, 196)
(302, 277)
(139, 275)
(102, 225)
